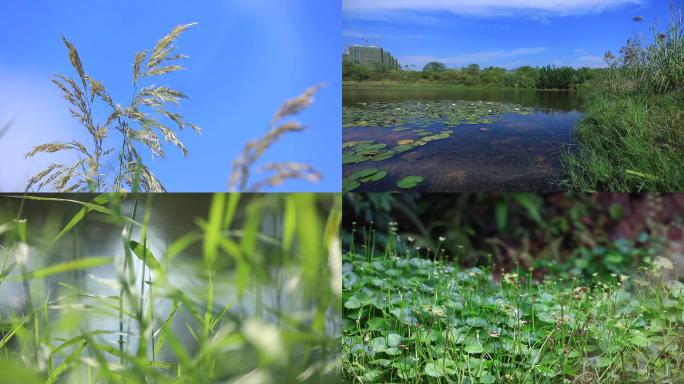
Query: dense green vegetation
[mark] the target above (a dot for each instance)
(511, 288)
(414, 318)
(437, 74)
(631, 136)
(182, 289)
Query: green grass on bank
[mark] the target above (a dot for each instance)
(629, 143)
(632, 136)
(414, 320)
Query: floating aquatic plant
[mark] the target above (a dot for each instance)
(363, 176)
(409, 182)
(395, 114)
(361, 151)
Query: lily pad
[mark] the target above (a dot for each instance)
(424, 114)
(409, 182)
(349, 185)
(375, 177)
(363, 173)
(363, 176)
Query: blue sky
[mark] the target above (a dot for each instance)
(507, 33)
(246, 58)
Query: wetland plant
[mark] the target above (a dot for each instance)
(253, 150)
(113, 161)
(140, 121)
(630, 138)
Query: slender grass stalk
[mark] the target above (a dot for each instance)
(138, 124)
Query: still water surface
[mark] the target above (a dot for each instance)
(512, 153)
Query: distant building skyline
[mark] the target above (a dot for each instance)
(368, 56)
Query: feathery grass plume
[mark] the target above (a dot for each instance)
(285, 171)
(253, 150)
(5, 128)
(138, 125)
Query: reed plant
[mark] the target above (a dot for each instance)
(113, 160)
(133, 126)
(254, 150)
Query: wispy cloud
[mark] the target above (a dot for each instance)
(482, 58)
(486, 8)
(357, 34)
(590, 61)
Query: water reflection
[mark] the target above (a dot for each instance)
(512, 153)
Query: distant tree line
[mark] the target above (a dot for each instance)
(548, 77)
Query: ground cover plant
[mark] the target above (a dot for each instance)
(631, 136)
(416, 316)
(169, 288)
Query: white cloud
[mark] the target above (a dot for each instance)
(484, 8)
(357, 34)
(38, 115)
(481, 58)
(590, 61)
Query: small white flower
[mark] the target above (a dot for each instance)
(442, 238)
(410, 239)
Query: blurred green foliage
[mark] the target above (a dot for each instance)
(557, 232)
(192, 288)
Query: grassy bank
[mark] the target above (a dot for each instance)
(629, 143)
(631, 138)
(415, 318)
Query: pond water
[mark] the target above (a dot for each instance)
(500, 140)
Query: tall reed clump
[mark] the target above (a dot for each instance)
(129, 127)
(631, 136)
(247, 289)
(254, 150)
